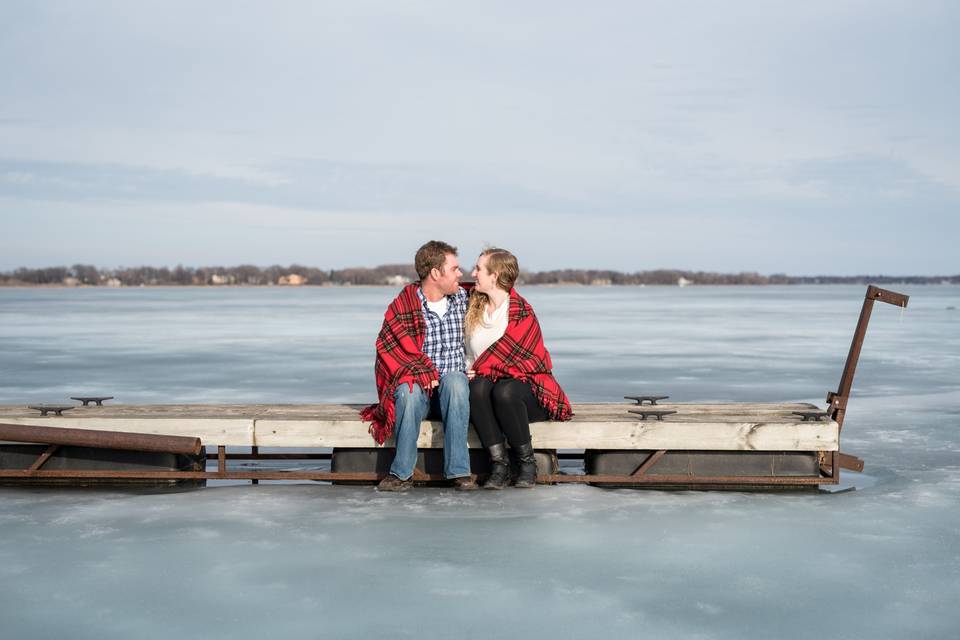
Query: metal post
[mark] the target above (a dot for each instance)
(838, 400)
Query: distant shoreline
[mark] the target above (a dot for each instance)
(21, 285)
(397, 275)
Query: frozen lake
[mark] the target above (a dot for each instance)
(880, 561)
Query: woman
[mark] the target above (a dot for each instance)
(511, 383)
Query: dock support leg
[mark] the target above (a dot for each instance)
(649, 462)
(830, 463)
(254, 451)
(43, 457)
(221, 459)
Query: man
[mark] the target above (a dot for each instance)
(420, 369)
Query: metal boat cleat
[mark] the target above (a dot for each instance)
(641, 399)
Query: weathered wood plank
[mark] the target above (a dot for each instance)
(721, 427)
(211, 431)
(693, 435)
(223, 411)
(340, 433)
(348, 411)
(736, 408)
(583, 434)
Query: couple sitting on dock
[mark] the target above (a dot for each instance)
(500, 377)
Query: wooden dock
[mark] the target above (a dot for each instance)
(716, 427)
(747, 428)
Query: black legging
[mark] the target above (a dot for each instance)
(503, 408)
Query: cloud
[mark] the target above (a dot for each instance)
(304, 184)
(868, 178)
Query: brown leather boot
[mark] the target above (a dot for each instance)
(393, 483)
(466, 483)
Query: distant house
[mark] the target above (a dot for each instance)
(70, 282)
(113, 282)
(398, 281)
(292, 280)
(219, 278)
(682, 282)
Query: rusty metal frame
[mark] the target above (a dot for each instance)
(329, 476)
(838, 400)
(639, 477)
(657, 480)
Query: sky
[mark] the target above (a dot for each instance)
(777, 137)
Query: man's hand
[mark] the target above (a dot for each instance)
(434, 384)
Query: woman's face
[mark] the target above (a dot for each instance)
(486, 281)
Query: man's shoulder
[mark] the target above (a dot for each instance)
(407, 298)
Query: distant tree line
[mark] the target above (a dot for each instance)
(675, 276)
(245, 274)
(396, 274)
(659, 276)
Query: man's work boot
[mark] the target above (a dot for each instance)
(465, 483)
(393, 483)
(527, 474)
(499, 467)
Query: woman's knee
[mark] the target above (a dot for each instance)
(507, 391)
(480, 389)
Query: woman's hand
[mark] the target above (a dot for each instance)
(471, 374)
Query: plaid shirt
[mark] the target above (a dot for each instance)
(443, 343)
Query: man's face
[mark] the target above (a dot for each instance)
(448, 278)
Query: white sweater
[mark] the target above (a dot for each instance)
(490, 329)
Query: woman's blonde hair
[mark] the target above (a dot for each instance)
(502, 263)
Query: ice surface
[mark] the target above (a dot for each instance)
(569, 562)
(311, 560)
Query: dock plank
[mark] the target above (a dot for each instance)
(236, 432)
(715, 426)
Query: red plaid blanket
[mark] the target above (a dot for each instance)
(520, 354)
(400, 360)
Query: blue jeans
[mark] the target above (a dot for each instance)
(450, 402)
